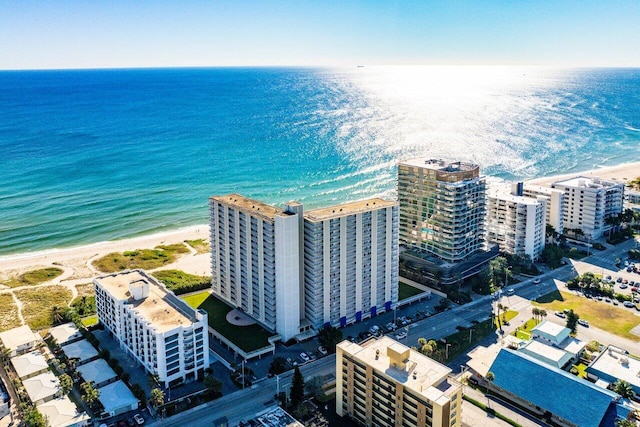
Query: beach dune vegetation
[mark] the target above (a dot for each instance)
(180, 282)
(38, 304)
(9, 314)
(200, 245)
(147, 259)
(34, 277)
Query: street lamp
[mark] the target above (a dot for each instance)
(447, 351)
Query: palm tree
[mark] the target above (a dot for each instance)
(490, 377)
(536, 312)
(156, 397)
(634, 183)
(57, 314)
(623, 388)
(90, 394)
(66, 383)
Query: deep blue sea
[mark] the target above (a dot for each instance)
(94, 155)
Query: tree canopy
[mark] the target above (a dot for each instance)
(572, 321)
(329, 337)
(297, 388)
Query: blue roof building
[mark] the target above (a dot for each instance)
(570, 400)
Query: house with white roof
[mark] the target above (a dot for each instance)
(42, 388)
(19, 340)
(615, 364)
(62, 412)
(98, 372)
(30, 365)
(116, 398)
(551, 332)
(65, 333)
(82, 351)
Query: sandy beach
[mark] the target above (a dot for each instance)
(77, 260)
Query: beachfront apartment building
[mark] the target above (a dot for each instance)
(555, 202)
(442, 207)
(381, 382)
(162, 333)
(350, 261)
(516, 223)
(255, 260)
(589, 202)
(293, 271)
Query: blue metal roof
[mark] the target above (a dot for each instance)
(561, 393)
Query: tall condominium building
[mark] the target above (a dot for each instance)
(255, 260)
(442, 207)
(555, 203)
(351, 261)
(165, 335)
(588, 202)
(516, 223)
(292, 270)
(384, 383)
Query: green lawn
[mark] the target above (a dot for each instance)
(524, 332)
(180, 282)
(90, 320)
(248, 338)
(605, 316)
(407, 291)
(460, 342)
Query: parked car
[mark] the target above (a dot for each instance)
(634, 289)
(619, 279)
(536, 281)
(583, 322)
(615, 302)
(322, 350)
(628, 304)
(608, 277)
(560, 314)
(139, 419)
(305, 357)
(401, 335)
(510, 291)
(623, 286)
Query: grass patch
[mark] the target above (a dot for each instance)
(147, 259)
(505, 317)
(85, 290)
(603, 315)
(582, 370)
(524, 332)
(248, 338)
(38, 304)
(9, 314)
(90, 320)
(34, 277)
(180, 282)
(407, 291)
(200, 245)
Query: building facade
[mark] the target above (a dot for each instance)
(165, 335)
(516, 223)
(555, 203)
(384, 383)
(255, 260)
(293, 270)
(589, 202)
(442, 207)
(351, 261)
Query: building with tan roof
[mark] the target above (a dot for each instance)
(158, 329)
(383, 382)
(19, 340)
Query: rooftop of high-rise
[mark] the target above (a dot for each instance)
(147, 297)
(445, 170)
(345, 209)
(412, 369)
(250, 206)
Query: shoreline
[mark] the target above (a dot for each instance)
(621, 172)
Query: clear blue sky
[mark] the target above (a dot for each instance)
(87, 34)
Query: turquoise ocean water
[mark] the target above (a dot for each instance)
(94, 155)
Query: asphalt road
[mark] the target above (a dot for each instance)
(246, 404)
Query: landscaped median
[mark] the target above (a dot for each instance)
(248, 338)
(618, 321)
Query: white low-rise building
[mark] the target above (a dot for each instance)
(82, 351)
(19, 340)
(165, 335)
(42, 388)
(30, 364)
(116, 398)
(97, 372)
(62, 412)
(65, 333)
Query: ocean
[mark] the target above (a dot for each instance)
(95, 155)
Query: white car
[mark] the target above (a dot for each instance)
(322, 350)
(510, 291)
(305, 357)
(536, 281)
(139, 419)
(583, 322)
(401, 335)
